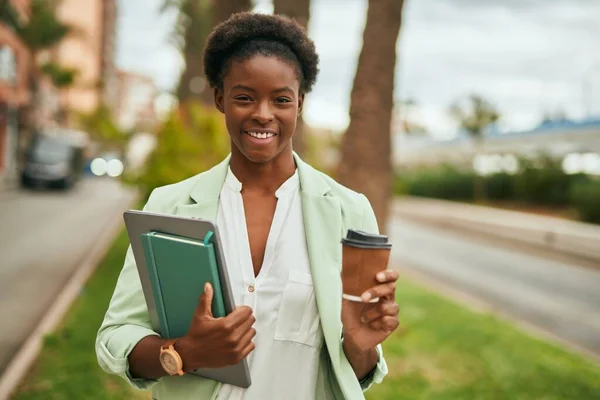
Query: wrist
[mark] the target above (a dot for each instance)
(182, 347)
(362, 361)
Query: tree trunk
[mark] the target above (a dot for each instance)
(366, 147)
(204, 15)
(224, 8)
(300, 11)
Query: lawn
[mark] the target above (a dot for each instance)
(444, 352)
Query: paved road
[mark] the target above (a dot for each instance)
(558, 296)
(44, 236)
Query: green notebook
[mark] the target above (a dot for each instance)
(178, 268)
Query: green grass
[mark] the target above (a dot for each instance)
(445, 352)
(450, 353)
(67, 368)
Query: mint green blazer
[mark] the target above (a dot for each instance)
(329, 209)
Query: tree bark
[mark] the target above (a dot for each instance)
(366, 147)
(300, 11)
(203, 17)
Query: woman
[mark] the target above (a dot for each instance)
(281, 223)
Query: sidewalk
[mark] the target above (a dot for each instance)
(569, 237)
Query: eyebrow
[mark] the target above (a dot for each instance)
(248, 88)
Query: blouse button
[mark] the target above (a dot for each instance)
(251, 288)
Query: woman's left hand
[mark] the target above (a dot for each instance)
(369, 324)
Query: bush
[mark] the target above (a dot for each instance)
(191, 140)
(446, 182)
(585, 197)
(500, 186)
(542, 181)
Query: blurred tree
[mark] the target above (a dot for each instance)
(62, 78)
(8, 15)
(406, 112)
(474, 116)
(102, 128)
(191, 140)
(41, 31)
(195, 20)
(300, 11)
(366, 164)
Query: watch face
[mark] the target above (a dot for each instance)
(169, 363)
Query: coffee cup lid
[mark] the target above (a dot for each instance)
(363, 239)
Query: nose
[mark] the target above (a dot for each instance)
(263, 113)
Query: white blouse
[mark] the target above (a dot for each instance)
(286, 361)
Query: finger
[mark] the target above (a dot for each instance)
(246, 338)
(245, 352)
(205, 305)
(239, 316)
(387, 290)
(245, 325)
(383, 309)
(387, 323)
(388, 275)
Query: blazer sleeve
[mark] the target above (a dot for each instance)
(126, 322)
(369, 224)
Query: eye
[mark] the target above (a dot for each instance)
(243, 98)
(283, 100)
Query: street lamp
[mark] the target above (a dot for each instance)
(586, 88)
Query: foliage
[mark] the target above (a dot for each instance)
(67, 367)
(585, 197)
(475, 116)
(42, 30)
(191, 140)
(538, 182)
(542, 181)
(8, 15)
(61, 77)
(446, 182)
(103, 129)
(446, 352)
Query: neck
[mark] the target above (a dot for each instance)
(264, 177)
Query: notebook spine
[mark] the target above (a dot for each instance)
(156, 289)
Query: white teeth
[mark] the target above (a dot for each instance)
(261, 135)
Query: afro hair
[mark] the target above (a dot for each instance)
(245, 35)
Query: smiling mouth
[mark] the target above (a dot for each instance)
(260, 135)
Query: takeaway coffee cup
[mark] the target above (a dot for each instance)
(363, 256)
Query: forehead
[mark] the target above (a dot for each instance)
(262, 72)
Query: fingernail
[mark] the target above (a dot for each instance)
(366, 296)
(380, 276)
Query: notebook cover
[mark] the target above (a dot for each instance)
(178, 268)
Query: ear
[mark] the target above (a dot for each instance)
(300, 103)
(219, 100)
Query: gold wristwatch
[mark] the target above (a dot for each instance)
(170, 359)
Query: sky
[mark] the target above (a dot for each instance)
(527, 57)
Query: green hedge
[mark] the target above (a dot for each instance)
(191, 140)
(585, 197)
(537, 182)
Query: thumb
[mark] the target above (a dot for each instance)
(205, 306)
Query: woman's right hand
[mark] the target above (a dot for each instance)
(216, 342)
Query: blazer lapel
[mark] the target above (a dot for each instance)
(322, 215)
(205, 193)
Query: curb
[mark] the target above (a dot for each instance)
(20, 364)
(480, 306)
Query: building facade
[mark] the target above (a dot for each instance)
(14, 91)
(91, 51)
(136, 95)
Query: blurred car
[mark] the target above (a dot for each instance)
(54, 159)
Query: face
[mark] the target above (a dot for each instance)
(261, 102)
